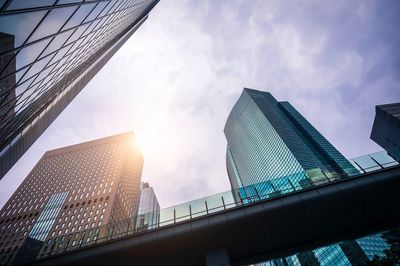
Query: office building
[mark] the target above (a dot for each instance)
(49, 51)
(386, 128)
(73, 195)
(271, 144)
(272, 147)
(148, 215)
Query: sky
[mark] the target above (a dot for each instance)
(176, 79)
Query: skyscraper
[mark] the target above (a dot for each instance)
(272, 146)
(57, 48)
(69, 194)
(386, 128)
(270, 142)
(148, 214)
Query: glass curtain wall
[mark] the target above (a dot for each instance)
(49, 50)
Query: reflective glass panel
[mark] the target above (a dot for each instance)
(19, 4)
(20, 25)
(53, 22)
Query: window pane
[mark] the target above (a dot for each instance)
(79, 16)
(37, 67)
(30, 53)
(52, 23)
(96, 11)
(18, 4)
(20, 25)
(57, 42)
(68, 1)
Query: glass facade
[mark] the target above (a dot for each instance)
(49, 50)
(360, 251)
(148, 215)
(48, 216)
(269, 141)
(272, 149)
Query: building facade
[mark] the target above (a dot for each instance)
(73, 195)
(386, 128)
(271, 144)
(55, 49)
(148, 215)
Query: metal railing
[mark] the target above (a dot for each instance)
(220, 202)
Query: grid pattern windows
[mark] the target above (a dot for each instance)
(149, 208)
(270, 144)
(47, 217)
(48, 48)
(259, 152)
(325, 151)
(72, 192)
(373, 245)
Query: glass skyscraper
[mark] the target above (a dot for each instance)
(148, 215)
(49, 50)
(271, 146)
(271, 143)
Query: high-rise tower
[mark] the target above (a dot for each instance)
(272, 147)
(71, 194)
(271, 142)
(148, 215)
(49, 50)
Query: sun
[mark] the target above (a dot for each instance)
(141, 143)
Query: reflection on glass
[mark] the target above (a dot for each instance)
(20, 4)
(79, 16)
(20, 25)
(54, 20)
(36, 41)
(383, 158)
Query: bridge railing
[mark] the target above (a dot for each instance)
(209, 205)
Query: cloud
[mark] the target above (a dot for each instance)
(175, 81)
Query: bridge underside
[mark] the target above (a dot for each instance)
(273, 228)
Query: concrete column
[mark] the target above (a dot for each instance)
(217, 257)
